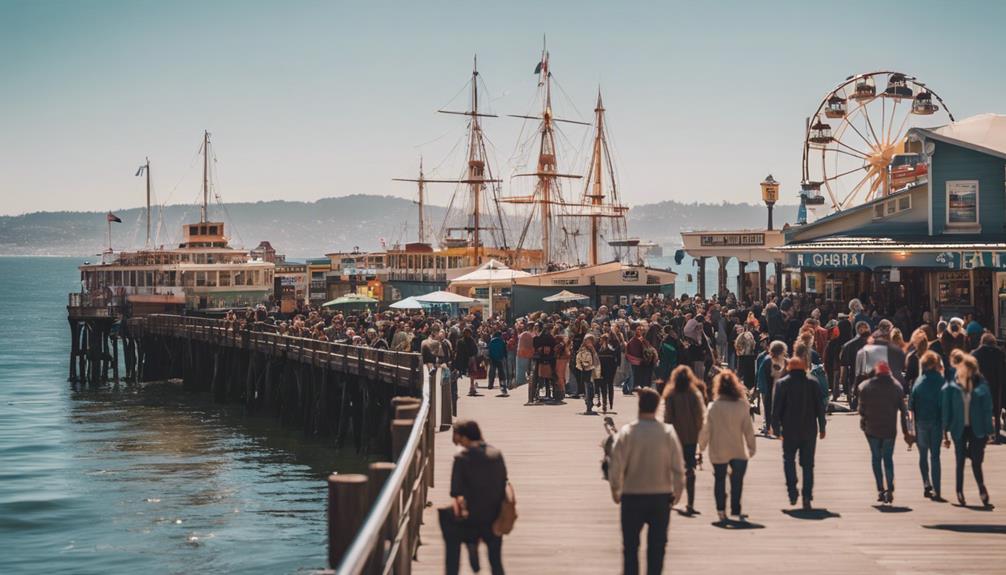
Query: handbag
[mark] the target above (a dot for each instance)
(507, 516)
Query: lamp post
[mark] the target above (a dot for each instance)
(769, 195)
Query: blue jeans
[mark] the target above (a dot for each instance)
(882, 454)
(737, 469)
(523, 364)
(928, 436)
(497, 367)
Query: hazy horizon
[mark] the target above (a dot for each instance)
(309, 100)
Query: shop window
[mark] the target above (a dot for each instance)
(904, 203)
(953, 288)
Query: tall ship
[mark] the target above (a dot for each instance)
(548, 230)
(202, 272)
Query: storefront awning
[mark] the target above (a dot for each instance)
(862, 253)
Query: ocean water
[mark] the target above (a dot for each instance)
(139, 480)
(688, 273)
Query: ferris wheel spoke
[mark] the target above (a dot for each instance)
(860, 134)
(854, 151)
(901, 129)
(846, 173)
(883, 116)
(852, 194)
(890, 124)
(866, 114)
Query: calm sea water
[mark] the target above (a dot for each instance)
(139, 480)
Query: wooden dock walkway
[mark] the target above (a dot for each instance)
(568, 523)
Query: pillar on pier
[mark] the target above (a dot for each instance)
(700, 279)
(762, 270)
(740, 280)
(721, 277)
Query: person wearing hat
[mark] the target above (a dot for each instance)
(881, 401)
(798, 417)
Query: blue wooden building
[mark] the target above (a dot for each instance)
(938, 244)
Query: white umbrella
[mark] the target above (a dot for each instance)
(490, 272)
(408, 303)
(565, 296)
(443, 297)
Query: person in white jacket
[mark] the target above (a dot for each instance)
(647, 476)
(730, 437)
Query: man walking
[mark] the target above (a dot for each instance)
(847, 361)
(881, 399)
(798, 416)
(478, 487)
(647, 476)
(497, 362)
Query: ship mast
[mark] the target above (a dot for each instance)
(422, 181)
(206, 177)
(145, 168)
(594, 190)
(547, 192)
(478, 175)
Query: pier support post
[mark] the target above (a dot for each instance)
(762, 280)
(446, 401)
(721, 276)
(700, 278)
(347, 508)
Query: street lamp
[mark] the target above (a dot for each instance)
(769, 195)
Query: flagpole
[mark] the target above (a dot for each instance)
(109, 234)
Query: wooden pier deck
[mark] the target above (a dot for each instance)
(568, 523)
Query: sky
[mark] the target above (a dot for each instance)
(306, 100)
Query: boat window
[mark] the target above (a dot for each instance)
(225, 279)
(117, 278)
(149, 278)
(213, 230)
(239, 278)
(201, 279)
(211, 279)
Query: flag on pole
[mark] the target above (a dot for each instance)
(113, 218)
(537, 69)
(139, 172)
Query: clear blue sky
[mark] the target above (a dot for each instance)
(316, 99)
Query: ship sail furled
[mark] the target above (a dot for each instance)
(546, 201)
(473, 213)
(601, 208)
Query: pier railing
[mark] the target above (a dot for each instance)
(390, 366)
(387, 538)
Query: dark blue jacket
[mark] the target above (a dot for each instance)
(980, 412)
(926, 399)
(497, 348)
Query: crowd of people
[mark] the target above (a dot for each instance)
(718, 367)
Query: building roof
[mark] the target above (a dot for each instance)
(984, 133)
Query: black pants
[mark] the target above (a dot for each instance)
(973, 448)
(452, 548)
(606, 389)
(746, 366)
(805, 448)
(654, 511)
(737, 468)
(642, 375)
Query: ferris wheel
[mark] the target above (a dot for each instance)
(855, 149)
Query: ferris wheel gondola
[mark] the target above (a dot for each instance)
(857, 131)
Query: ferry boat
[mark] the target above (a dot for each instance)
(204, 271)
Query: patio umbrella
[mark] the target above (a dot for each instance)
(565, 296)
(443, 297)
(350, 299)
(408, 303)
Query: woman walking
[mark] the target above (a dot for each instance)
(609, 353)
(729, 435)
(562, 357)
(967, 418)
(925, 405)
(668, 359)
(587, 369)
(642, 357)
(685, 409)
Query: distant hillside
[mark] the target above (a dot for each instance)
(308, 229)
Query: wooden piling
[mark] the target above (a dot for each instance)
(347, 507)
(400, 430)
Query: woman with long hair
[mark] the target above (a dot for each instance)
(729, 435)
(563, 353)
(918, 346)
(609, 353)
(685, 409)
(967, 418)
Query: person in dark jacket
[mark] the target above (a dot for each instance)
(881, 400)
(497, 362)
(478, 487)
(847, 359)
(833, 355)
(992, 364)
(967, 417)
(465, 353)
(798, 416)
(925, 403)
